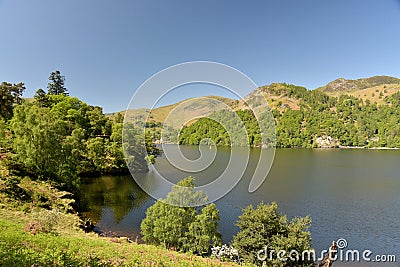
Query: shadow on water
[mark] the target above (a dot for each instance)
(116, 204)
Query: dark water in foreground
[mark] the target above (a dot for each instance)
(351, 194)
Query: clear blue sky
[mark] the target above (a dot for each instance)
(106, 49)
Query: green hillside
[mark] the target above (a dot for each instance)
(160, 114)
(69, 246)
(314, 118)
(355, 113)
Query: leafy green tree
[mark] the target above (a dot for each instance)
(70, 110)
(183, 227)
(2, 129)
(39, 145)
(115, 157)
(4, 144)
(202, 232)
(151, 148)
(77, 146)
(99, 123)
(264, 226)
(134, 149)
(118, 117)
(41, 98)
(10, 94)
(96, 153)
(56, 85)
(114, 147)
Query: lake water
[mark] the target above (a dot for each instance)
(349, 193)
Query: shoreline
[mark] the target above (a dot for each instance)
(337, 147)
(369, 148)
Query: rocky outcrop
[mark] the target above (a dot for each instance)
(327, 141)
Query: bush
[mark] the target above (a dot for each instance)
(264, 226)
(42, 194)
(44, 221)
(180, 225)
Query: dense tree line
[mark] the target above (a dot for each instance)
(349, 120)
(231, 133)
(58, 138)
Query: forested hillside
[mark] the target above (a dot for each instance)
(313, 118)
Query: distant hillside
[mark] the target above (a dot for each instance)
(363, 113)
(374, 89)
(343, 85)
(282, 97)
(160, 114)
(319, 121)
(278, 96)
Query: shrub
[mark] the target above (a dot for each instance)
(44, 221)
(264, 226)
(181, 226)
(42, 194)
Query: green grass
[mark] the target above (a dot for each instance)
(72, 247)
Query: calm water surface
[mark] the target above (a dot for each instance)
(351, 194)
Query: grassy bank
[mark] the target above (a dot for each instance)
(69, 246)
